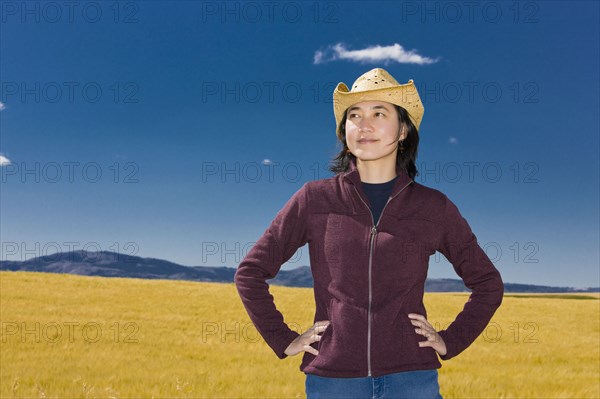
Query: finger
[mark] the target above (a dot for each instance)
(310, 349)
(319, 329)
(320, 326)
(313, 339)
(430, 335)
(419, 320)
(311, 336)
(424, 344)
(417, 316)
(425, 332)
(421, 323)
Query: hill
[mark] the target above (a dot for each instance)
(112, 264)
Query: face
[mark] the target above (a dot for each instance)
(373, 130)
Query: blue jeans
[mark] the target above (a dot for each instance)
(406, 384)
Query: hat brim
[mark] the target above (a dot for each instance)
(405, 96)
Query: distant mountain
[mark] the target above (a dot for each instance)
(302, 277)
(111, 264)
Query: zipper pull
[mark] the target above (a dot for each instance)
(373, 230)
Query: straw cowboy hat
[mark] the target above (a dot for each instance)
(378, 85)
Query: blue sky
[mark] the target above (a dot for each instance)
(177, 130)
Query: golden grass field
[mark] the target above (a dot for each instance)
(66, 336)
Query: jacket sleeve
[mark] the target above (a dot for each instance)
(459, 245)
(286, 233)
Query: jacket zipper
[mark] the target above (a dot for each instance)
(372, 238)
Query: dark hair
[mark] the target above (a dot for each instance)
(406, 159)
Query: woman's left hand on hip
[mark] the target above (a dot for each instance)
(424, 328)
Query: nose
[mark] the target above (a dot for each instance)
(364, 125)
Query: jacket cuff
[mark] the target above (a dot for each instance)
(450, 345)
(280, 346)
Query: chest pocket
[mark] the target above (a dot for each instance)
(417, 237)
(403, 247)
(340, 250)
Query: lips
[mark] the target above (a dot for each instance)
(365, 141)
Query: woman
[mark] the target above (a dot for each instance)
(371, 229)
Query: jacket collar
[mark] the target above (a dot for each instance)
(353, 176)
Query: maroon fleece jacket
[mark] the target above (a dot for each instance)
(369, 275)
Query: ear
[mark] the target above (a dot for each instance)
(403, 132)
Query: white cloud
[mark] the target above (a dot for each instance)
(4, 161)
(2, 106)
(372, 54)
(453, 140)
(266, 161)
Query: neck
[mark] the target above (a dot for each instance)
(376, 171)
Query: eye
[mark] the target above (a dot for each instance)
(352, 115)
(379, 114)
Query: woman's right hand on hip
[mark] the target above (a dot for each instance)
(303, 341)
